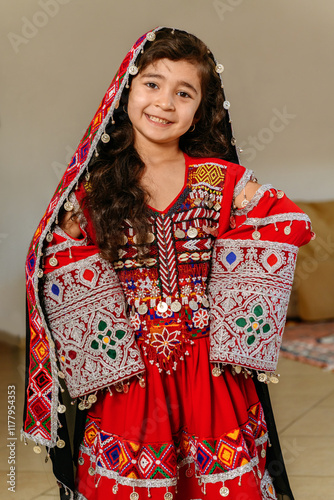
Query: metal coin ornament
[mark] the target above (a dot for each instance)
(287, 230)
(280, 194)
(233, 141)
(162, 307)
(37, 449)
(133, 70)
(192, 232)
(142, 309)
(262, 377)
(61, 408)
(151, 36)
(179, 233)
(193, 305)
(60, 443)
(81, 461)
(219, 68)
(134, 495)
(274, 379)
(53, 261)
(92, 399)
(105, 138)
(263, 453)
(244, 203)
(168, 496)
(226, 104)
(40, 273)
(256, 235)
(205, 302)
(68, 206)
(216, 371)
(49, 237)
(91, 471)
(224, 491)
(176, 306)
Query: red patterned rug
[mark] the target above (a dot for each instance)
(311, 343)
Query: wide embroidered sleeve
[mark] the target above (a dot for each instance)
(252, 273)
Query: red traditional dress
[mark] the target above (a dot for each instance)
(181, 417)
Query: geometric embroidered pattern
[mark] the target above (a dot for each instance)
(85, 307)
(249, 292)
(156, 464)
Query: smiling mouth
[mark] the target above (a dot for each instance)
(156, 119)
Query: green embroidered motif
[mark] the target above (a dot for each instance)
(104, 341)
(254, 324)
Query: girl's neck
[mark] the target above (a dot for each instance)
(156, 154)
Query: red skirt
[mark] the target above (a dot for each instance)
(184, 436)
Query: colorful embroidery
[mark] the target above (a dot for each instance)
(85, 307)
(249, 292)
(156, 464)
(167, 293)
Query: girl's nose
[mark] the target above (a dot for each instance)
(165, 100)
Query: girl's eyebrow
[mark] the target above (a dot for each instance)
(161, 77)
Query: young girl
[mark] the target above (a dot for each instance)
(152, 200)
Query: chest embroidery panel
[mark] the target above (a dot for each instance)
(167, 293)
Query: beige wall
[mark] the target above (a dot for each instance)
(278, 60)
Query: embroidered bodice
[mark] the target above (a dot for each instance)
(167, 294)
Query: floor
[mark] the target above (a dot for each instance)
(303, 403)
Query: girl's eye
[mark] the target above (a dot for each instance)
(151, 85)
(183, 94)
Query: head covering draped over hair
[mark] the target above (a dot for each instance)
(42, 385)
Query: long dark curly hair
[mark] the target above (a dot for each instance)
(115, 193)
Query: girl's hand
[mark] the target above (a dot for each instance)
(247, 193)
(70, 224)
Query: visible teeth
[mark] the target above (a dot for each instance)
(158, 120)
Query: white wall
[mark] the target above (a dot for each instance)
(277, 55)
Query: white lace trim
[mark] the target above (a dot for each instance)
(254, 201)
(65, 245)
(261, 440)
(266, 481)
(231, 474)
(273, 219)
(248, 175)
(229, 242)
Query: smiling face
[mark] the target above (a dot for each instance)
(163, 101)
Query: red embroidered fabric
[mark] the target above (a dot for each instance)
(187, 432)
(184, 433)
